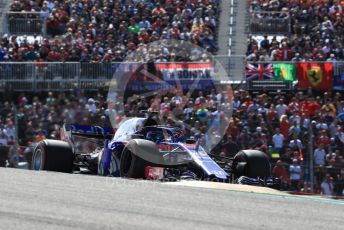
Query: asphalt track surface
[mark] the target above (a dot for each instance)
(45, 200)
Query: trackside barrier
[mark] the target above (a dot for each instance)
(266, 22)
(312, 187)
(31, 76)
(26, 23)
(316, 195)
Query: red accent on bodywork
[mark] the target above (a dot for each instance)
(154, 173)
(190, 145)
(165, 147)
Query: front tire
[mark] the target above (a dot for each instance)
(132, 166)
(53, 155)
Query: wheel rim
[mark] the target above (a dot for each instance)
(37, 161)
(126, 163)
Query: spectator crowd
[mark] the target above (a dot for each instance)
(104, 31)
(317, 29)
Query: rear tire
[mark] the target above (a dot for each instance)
(3, 155)
(251, 163)
(53, 155)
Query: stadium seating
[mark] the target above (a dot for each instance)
(103, 31)
(317, 29)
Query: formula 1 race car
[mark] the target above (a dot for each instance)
(140, 148)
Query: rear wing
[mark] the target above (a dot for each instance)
(98, 132)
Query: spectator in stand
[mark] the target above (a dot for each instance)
(321, 124)
(296, 145)
(278, 140)
(96, 30)
(202, 113)
(339, 139)
(295, 119)
(9, 131)
(265, 43)
(316, 30)
(327, 186)
(323, 139)
(284, 126)
(313, 107)
(281, 108)
(295, 175)
(230, 147)
(165, 105)
(90, 106)
(319, 155)
(280, 172)
(3, 139)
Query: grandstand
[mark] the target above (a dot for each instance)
(97, 34)
(310, 31)
(284, 59)
(98, 28)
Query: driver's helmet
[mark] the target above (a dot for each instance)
(155, 136)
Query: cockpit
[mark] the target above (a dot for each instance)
(148, 129)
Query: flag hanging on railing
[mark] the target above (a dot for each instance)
(315, 75)
(255, 71)
(338, 78)
(186, 71)
(285, 72)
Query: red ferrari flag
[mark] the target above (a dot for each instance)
(315, 75)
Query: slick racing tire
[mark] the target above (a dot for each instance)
(251, 163)
(3, 155)
(132, 166)
(53, 155)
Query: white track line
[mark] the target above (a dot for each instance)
(231, 19)
(229, 187)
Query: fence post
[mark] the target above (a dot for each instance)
(78, 75)
(35, 75)
(44, 27)
(15, 111)
(5, 28)
(311, 160)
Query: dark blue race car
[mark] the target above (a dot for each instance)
(140, 148)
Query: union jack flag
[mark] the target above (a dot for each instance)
(259, 71)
